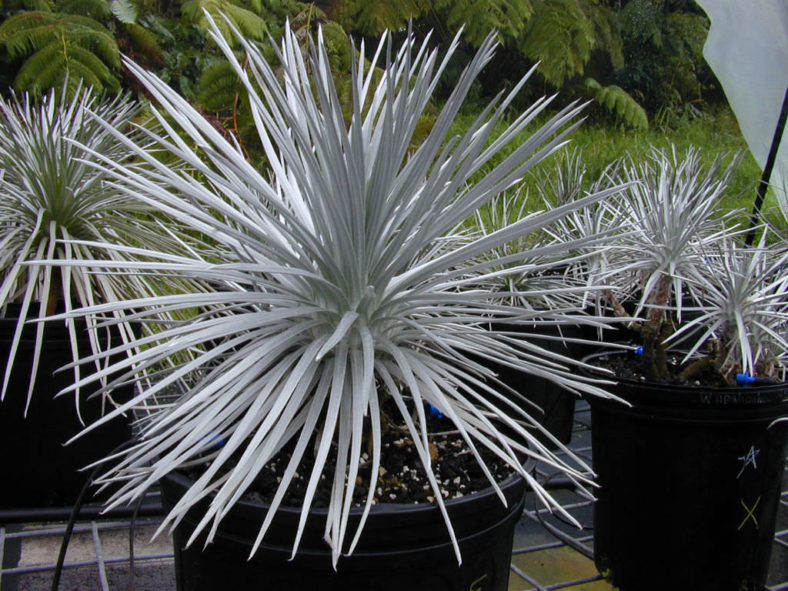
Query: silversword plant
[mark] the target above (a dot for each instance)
(743, 320)
(56, 205)
(669, 220)
(342, 284)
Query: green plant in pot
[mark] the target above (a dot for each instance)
(692, 469)
(55, 205)
(338, 322)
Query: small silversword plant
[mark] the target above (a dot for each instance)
(56, 205)
(669, 221)
(743, 318)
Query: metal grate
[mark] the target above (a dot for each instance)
(97, 560)
(547, 553)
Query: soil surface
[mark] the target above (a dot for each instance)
(629, 366)
(401, 478)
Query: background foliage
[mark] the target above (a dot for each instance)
(639, 62)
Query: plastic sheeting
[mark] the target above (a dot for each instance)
(747, 48)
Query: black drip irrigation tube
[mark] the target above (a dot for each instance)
(78, 511)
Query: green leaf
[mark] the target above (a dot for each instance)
(509, 18)
(246, 21)
(559, 36)
(59, 45)
(220, 87)
(144, 41)
(52, 65)
(616, 100)
(96, 9)
(124, 11)
(372, 17)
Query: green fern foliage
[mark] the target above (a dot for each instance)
(479, 17)
(54, 66)
(561, 37)
(245, 20)
(616, 100)
(641, 20)
(508, 17)
(124, 11)
(220, 87)
(607, 30)
(222, 93)
(372, 17)
(664, 54)
(143, 41)
(58, 48)
(95, 9)
(15, 5)
(686, 34)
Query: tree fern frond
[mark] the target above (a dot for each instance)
(561, 37)
(607, 30)
(508, 17)
(62, 38)
(641, 20)
(27, 31)
(100, 41)
(144, 41)
(46, 68)
(305, 14)
(47, 5)
(245, 20)
(338, 47)
(83, 58)
(124, 11)
(685, 34)
(620, 103)
(250, 24)
(87, 71)
(372, 17)
(219, 87)
(97, 9)
(52, 65)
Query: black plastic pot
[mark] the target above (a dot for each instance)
(556, 406)
(38, 470)
(690, 485)
(402, 547)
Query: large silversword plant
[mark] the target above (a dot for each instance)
(341, 285)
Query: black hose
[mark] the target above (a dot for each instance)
(132, 527)
(75, 511)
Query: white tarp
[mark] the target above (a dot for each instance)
(747, 48)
